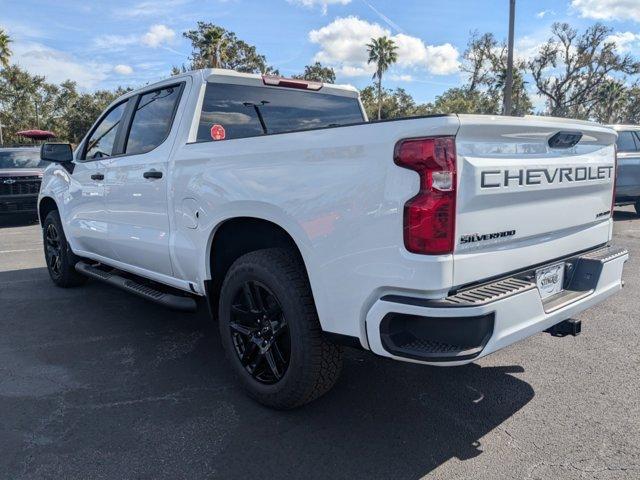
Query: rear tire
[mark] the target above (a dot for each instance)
(637, 207)
(60, 259)
(271, 333)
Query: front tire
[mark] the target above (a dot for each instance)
(271, 333)
(60, 259)
(637, 207)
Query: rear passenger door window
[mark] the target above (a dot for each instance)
(152, 119)
(102, 141)
(627, 142)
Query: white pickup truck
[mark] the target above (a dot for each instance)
(435, 239)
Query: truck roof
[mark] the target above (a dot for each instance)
(220, 75)
(231, 76)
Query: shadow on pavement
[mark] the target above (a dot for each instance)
(95, 383)
(17, 220)
(624, 215)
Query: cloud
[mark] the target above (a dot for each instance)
(401, 78)
(323, 4)
(57, 66)
(342, 42)
(123, 69)
(390, 23)
(150, 8)
(528, 46)
(157, 35)
(343, 46)
(545, 13)
(115, 42)
(608, 9)
(625, 41)
(438, 59)
(18, 31)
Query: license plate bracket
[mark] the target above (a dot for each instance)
(550, 280)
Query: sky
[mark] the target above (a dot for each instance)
(104, 44)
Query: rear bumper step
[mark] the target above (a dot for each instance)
(476, 321)
(583, 271)
(175, 302)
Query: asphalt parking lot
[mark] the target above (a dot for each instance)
(96, 384)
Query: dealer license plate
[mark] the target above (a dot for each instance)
(550, 279)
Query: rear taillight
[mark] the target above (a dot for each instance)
(430, 216)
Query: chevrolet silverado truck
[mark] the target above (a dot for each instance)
(435, 240)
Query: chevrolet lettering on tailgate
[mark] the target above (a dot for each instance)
(540, 176)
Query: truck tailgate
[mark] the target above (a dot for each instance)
(526, 197)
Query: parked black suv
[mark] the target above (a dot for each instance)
(20, 177)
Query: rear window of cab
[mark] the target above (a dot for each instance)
(238, 111)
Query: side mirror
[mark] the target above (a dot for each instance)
(56, 152)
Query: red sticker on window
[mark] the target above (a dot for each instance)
(218, 132)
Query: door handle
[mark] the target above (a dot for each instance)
(152, 174)
(97, 176)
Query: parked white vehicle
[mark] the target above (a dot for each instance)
(628, 172)
(436, 240)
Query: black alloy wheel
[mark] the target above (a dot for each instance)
(271, 332)
(260, 333)
(60, 259)
(53, 249)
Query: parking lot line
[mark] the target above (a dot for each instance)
(20, 251)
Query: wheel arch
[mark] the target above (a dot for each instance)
(45, 206)
(237, 236)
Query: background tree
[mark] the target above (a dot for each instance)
(5, 51)
(383, 53)
(21, 97)
(28, 101)
(318, 73)
(631, 112)
(84, 111)
(611, 105)
(215, 47)
(395, 103)
(178, 70)
(479, 60)
(464, 100)
(570, 68)
(485, 62)
(521, 102)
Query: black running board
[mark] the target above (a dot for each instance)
(175, 302)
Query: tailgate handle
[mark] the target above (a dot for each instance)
(565, 139)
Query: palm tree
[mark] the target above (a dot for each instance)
(5, 51)
(382, 52)
(611, 100)
(213, 47)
